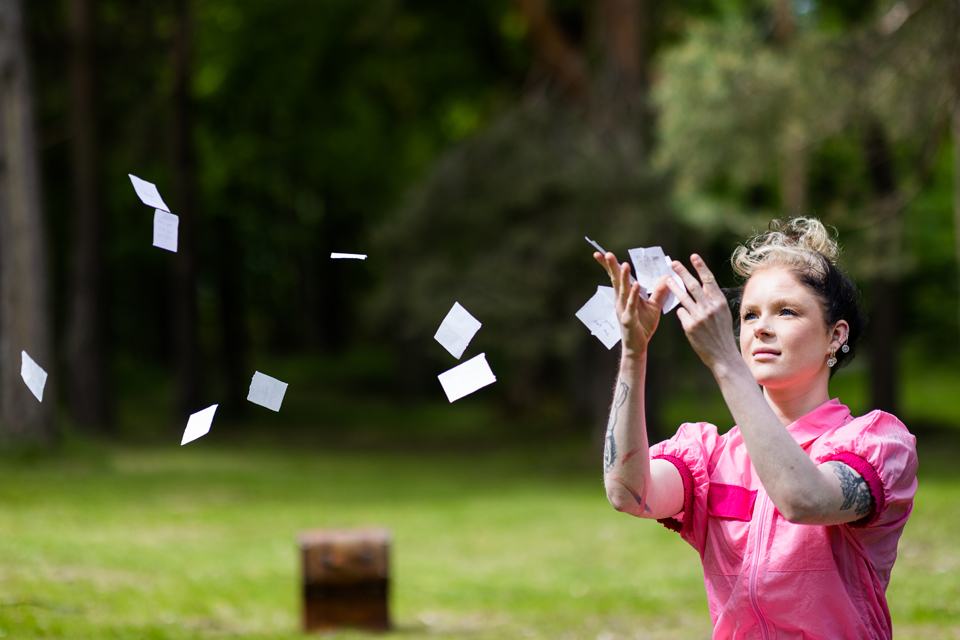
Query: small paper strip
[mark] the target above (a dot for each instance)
(147, 191)
(350, 256)
(466, 378)
(457, 330)
(199, 424)
(165, 230)
(33, 375)
(266, 391)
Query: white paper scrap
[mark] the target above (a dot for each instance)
(597, 246)
(147, 191)
(199, 424)
(33, 375)
(651, 264)
(165, 229)
(351, 256)
(266, 391)
(600, 316)
(465, 378)
(457, 330)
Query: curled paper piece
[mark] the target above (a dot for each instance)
(148, 194)
(199, 424)
(351, 256)
(165, 230)
(600, 316)
(651, 264)
(33, 375)
(464, 379)
(457, 330)
(266, 391)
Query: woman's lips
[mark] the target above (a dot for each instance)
(765, 354)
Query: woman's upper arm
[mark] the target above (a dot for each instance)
(665, 493)
(847, 497)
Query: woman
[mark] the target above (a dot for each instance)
(796, 512)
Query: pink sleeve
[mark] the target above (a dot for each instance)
(884, 453)
(689, 451)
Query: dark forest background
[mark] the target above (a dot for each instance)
(467, 147)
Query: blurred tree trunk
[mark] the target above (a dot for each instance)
(884, 372)
(24, 312)
(87, 377)
(186, 338)
(233, 343)
(793, 160)
(955, 129)
(614, 96)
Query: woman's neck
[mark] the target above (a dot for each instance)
(794, 402)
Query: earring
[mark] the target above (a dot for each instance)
(832, 360)
(845, 348)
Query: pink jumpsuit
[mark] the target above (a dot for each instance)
(769, 578)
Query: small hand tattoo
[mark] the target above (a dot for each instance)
(856, 492)
(610, 446)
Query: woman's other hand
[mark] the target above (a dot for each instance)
(638, 317)
(704, 313)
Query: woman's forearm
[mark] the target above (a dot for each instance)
(789, 476)
(626, 456)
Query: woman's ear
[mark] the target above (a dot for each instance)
(839, 335)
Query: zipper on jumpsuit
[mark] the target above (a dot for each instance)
(755, 570)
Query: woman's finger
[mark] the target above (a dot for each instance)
(710, 286)
(692, 284)
(660, 292)
(686, 301)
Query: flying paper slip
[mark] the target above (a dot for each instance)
(352, 256)
(147, 191)
(266, 391)
(33, 375)
(466, 378)
(199, 424)
(651, 264)
(600, 316)
(457, 330)
(165, 228)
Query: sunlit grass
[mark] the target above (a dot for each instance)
(199, 542)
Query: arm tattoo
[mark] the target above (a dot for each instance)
(856, 492)
(610, 446)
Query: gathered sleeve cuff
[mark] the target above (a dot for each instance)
(884, 453)
(689, 451)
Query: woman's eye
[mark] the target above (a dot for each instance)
(749, 316)
(789, 312)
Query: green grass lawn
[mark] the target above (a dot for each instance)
(199, 542)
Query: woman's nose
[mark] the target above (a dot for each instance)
(762, 328)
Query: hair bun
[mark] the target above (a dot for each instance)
(793, 242)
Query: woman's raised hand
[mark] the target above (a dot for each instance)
(638, 317)
(704, 313)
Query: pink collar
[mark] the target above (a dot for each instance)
(825, 417)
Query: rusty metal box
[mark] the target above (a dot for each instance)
(346, 579)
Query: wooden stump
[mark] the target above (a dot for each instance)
(346, 579)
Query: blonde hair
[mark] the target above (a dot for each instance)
(800, 243)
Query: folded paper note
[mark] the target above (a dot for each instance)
(33, 375)
(651, 264)
(266, 391)
(457, 330)
(351, 256)
(147, 191)
(466, 378)
(165, 228)
(600, 316)
(198, 425)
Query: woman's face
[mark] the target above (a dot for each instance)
(784, 338)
